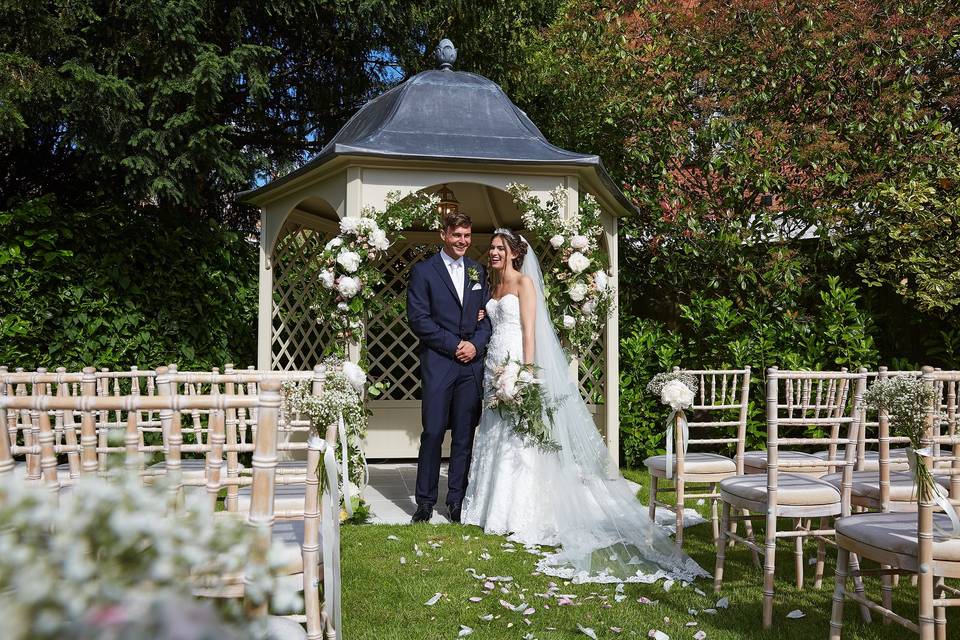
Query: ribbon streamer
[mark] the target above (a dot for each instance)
(684, 437)
(940, 495)
(330, 531)
(345, 467)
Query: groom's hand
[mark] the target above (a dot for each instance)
(466, 351)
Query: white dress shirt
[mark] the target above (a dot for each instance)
(455, 269)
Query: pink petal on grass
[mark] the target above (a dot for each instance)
(529, 612)
(489, 585)
(476, 599)
(587, 631)
(434, 600)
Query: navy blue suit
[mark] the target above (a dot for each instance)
(451, 391)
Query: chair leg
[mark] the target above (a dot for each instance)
(679, 512)
(886, 592)
(652, 505)
(821, 556)
(839, 593)
(714, 517)
(926, 617)
(721, 547)
(858, 586)
(748, 528)
(769, 568)
(798, 554)
(939, 613)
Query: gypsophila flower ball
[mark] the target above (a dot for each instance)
(355, 376)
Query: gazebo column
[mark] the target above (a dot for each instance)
(612, 356)
(354, 208)
(265, 295)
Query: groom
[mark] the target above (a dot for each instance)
(446, 293)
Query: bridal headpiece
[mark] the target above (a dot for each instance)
(504, 231)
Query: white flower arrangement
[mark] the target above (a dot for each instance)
(675, 389)
(112, 560)
(577, 287)
(349, 271)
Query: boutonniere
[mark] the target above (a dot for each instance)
(474, 274)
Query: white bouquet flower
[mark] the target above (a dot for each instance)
(556, 241)
(589, 307)
(328, 278)
(349, 260)
(350, 224)
(348, 287)
(333, 244)
(578, 292)
(579, 242)
(600, 280)
(578, 262)
(569, 322)
(519, 396)
(355, 376)
(676, 394)
(378, 240)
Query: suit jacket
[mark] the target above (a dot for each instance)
(440, 321)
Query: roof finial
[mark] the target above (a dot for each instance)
(446, 54)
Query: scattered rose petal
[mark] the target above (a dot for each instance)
(616, 629)
(506, 605)
(465, 538)
(527, 622)
(587, 631)
(489, 585)
(690, 624)
(529, 611)
(712, 612)
(504, 590)
(509, 624)
(667, 584)
(645, 600)
(796, 614)
(692, 612)
(485, 556)
(434, 600)
(723, 603)
(657, 635)
(700, 502)
(403, 560)
(464, 631)
(487, 618)
(561, 602)
(416, 550)
(699, 592)
(700, 635)
(392, 537)
(476, 599)
(619, 597)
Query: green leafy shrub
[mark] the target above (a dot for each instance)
(115, 288)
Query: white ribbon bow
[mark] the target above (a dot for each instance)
(940, 495)
(345, 467)
(330, 530)
(684, 437)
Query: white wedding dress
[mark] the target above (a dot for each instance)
(565, 498)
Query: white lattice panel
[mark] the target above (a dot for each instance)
(297, 341)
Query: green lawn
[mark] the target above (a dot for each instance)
(385, 599)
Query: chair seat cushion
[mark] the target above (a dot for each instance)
(871, 459)
(792, 489)
(756, 462)
(897, 532)
(284, 629)
(866, 484)
(695, 462)
(286, 497)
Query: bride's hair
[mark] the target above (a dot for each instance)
(518, 246)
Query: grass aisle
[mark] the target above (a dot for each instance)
(384, 598)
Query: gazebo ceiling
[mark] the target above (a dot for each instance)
(446, 115)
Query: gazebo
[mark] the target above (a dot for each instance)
(442, 131)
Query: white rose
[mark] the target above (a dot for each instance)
(579, 242)
(333, 244)
(355, 376)
(378, 240)
(589, 307)
(577, 292)
(556, 241)
(349, 260)
(367, 224)
(676, 394)
(348, 287)
(601, 280)
(327, 278)
(578, 262)
(526, 377)
(350, 224)
(569, 322)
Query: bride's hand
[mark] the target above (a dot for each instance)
(481, 315)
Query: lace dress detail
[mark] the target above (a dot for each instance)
(503, 493)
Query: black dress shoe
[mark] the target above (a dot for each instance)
(423, 514)
(455, 512)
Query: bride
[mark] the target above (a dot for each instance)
(565, 498)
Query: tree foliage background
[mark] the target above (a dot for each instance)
(795, 166)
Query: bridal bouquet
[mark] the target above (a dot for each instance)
(518, 396)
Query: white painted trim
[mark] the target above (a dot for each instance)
(612, 356)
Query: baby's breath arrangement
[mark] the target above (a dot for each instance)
(111, 560)
(342, 386)
(518, 395)
(659, 381)
(906, 400)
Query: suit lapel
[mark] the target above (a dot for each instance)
(441, 268)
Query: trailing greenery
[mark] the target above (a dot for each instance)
(114, 288)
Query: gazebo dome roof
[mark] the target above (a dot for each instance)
(450, 116)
